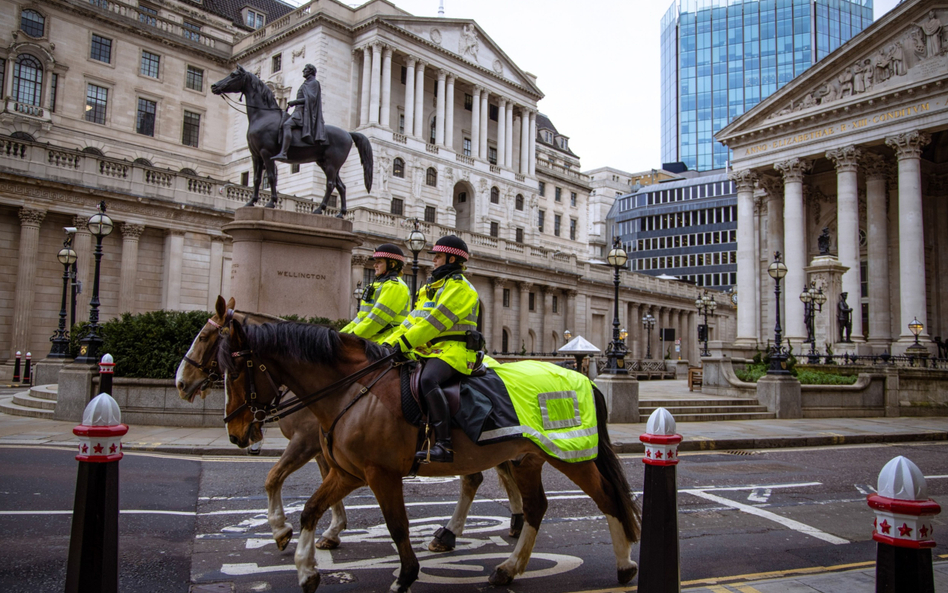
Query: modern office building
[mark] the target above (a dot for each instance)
(722, 57)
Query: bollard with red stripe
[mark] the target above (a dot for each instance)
(903, 529)
(16, 368)
(93, 545)
(27, 378)
(659, 558)
(106, 371)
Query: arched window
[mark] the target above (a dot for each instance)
(92, 150)
(143, 162)
(192, 172)
(23, 136)
(32, 23)
(494, 195)
(432, 177)
(398, 168)
(519, 203)
(27, 80)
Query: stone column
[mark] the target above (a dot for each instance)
(569, 309)
(894, 251)
(129, 271)
(794, 245)
(476, 122)
(880, 319)
(485, 118)
(498, 312)
(747, 321)
(774, 238)
(439, 114)
(501, 131)
(692, 339)
(532, 154)
(375, 87)
(449, 113)
(508, 161)
(171, 274)
(546, 324)
(420, 101)
(30, 221)
(386, 87)
(215, 280)
(524, 330)
(366, 85)
(410, 96)
(524, 141)
(85, 264)
(846, 160)
(908, 148)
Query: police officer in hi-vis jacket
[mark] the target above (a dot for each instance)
(443, 330)
(386, 301)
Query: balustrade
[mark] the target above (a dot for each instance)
(462, 158)
(67, 160)
(110, 169)
(159, 178)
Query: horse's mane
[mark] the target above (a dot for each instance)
(261, 87)
(302, 342)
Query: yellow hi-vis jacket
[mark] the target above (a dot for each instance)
(446, 307)
(382, 309)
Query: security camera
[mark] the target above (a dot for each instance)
(70, 230)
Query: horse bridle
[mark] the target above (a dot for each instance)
(208, 364)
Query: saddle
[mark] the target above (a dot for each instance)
(411, 393)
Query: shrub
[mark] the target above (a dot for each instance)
(815, 377)
(752, 372)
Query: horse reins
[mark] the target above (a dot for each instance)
(208, 364)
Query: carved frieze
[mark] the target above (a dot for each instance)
(468, 45)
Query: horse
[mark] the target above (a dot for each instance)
(372, 443)
(198, 370)
(264, 137)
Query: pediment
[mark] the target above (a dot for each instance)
(907, 47)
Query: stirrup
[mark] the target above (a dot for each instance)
(443, 453)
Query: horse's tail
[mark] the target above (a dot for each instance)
(365, 155)
(611, 469)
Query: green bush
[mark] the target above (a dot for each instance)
(752, 372)
(814, 377)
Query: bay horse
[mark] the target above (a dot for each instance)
(198, 370)
(265, 136)
(372, 443)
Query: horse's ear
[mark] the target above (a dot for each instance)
(230, 304)
(239, 68)
(220, 307)
(238, 337)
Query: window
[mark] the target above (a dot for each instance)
(494, 195)
(466, 147)
(149, 65)
(255, 19)
(27, 80)
(431, 214)
(492, 111)
(519, 235)
(398, 206)
(101, 49)
(431, 177)
(295, 168)
(532, 301)
(97, 101)
(558, 194)
(398, 168)
(191, 131)
(541, 188)
(191, 31)
(145, 123)
(492, 154)
(556, 304)
(32, 23)
(462, 197)
(245, 178)
(519, 202)
(468, 102)
(494, 229)
(194, 79)
(404, 75)
(276, 63)
(432, 136)
(556, 224)
(506, 297)
(53, 90)
(572, 229)
(572, 199)
(401, 123)
(147, 15)
(542, 215)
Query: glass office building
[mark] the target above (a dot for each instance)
(722, 57)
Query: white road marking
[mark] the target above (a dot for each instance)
(864, 488)
(759, 495)
(122, 512)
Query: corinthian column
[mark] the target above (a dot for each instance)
(908, 149)
(508, 162)
(374, 88)
(546, 323)
(449, 113)
(82, 243)
(569, 308)
(386, 87)
(532, 154)
(129, 273)
(794, 242)
(524, 141)
(498, 313)
(419, 100)
(880, 320)
(366, 85)
(485, 118)
(439, 117)
(30, 221)
(501, 131)
(846, 160)
(476, 122)
(524, 330)
(410, 96)
(746, 265)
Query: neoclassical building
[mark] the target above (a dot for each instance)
(856, 145)
(111, 101)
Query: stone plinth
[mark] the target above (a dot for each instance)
(286, 262)
(622, 397)
(781, 394)
(47, 370)
(75, 391)
(827, 272)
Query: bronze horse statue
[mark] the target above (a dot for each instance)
(373, 444)
(264, 138)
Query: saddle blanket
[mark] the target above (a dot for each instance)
(550, 405)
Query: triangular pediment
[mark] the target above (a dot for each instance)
(907, 47)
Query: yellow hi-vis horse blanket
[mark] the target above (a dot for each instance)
(554, 408)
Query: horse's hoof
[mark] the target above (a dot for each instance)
(444, 541)
(311, 584)
(324, 543)
(270, 204)
(627, 574)
(250, 204)
(283, 538)
(516, 524)
(341, 215)
(500, 577)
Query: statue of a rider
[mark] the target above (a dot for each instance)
(308, 115)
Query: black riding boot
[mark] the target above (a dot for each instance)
(439, 416)
(287, 137)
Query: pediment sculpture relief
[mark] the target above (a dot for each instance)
(469, 45)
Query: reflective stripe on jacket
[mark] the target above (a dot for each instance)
(381, 313)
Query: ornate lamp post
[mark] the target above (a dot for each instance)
(916, 350)
(706, 306)
(67, 257)
(813, 299)
(623, 335)
(616, 351)
(100, 226)
(778, 354)
(648, 323)
(416, 242)
(357, 293)
(568, 336)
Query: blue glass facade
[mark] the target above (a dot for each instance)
(722, 57)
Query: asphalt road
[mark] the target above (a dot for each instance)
(198, 524)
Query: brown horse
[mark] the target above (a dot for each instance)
(372, 443)
(198, 369)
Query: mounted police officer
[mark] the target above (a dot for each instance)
(386, 301)
(443, 330)
(308, 115)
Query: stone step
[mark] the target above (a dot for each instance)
(725, 417)
(26, 399)
(7, 406)
(47, 392)
(665, 403)
(677, 411)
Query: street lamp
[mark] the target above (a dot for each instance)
(623, 334)
(778, 354)
(357, 293)
(648, 322)
(706, 306)
(67, 257)
(916, 350)
(567, 335)
(100, 225)
(813, 299)
(416, 242)
(616, 351)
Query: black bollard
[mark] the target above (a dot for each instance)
(27, 378)
(106, 370)
(93, 544)
(903, 529)
(16, 368)
(659, 558)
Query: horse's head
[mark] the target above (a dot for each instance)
(249, 391)
(198, 369)
(232, 83)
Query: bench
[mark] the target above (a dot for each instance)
(694, 378)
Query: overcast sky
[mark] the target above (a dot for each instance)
(596, 61)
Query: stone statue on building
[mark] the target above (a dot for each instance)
(823, 241)
(898, 58)
(469, 44)
(844, 319)
(308, 115)
(932, 30)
